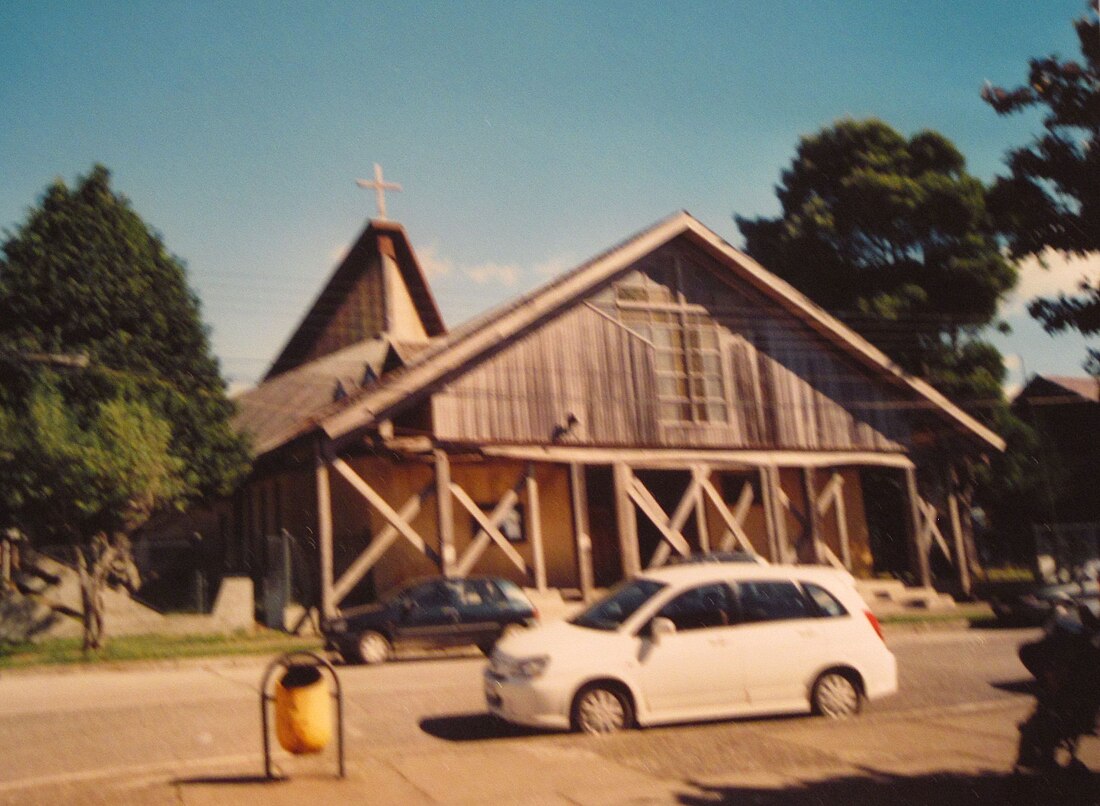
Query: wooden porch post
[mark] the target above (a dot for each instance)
(767, 495)
(627, 520)
(534, 520)
(699, 472)
(324, 530)
(581, 530)
(783, 543)
(918, 550)
(445, 518)
(812, 521)
(959, 540)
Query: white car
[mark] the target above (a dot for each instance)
(693, 642)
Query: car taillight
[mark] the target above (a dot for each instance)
(874, 623)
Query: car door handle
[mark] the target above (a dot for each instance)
(807, 633)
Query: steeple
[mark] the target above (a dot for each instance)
(378, 292)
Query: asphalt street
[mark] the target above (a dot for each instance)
(417, 731)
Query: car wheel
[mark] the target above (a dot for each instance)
(373, 647)
(600, 710)
(836, 696)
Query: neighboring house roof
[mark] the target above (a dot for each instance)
(1060, 389)
(448, 354)
(1087, 387)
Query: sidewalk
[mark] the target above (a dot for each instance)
(941, 757)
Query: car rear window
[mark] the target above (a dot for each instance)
(513, 592)
(827, 604)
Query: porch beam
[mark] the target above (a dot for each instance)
(678, 459)
(833, 495)
(445, 516)
(918, 550)
(812, 522)
(699, 474)
(582, 535)
(733, 521)
(627, 520)
(782, 505)
(384, 509)
(489, 527)
(648, 505)
(959, 539)
(324, 530)
(767, 495)
(378, 546)
(931, 529)
(534, 522)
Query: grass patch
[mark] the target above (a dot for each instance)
(55, 651)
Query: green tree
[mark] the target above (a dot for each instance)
(85, 284)
(892, 236)
(87, 483)
(1051, 199)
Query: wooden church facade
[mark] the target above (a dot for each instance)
(669, 396)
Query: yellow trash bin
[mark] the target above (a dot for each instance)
(303, 710)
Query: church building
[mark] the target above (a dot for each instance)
(669, 396)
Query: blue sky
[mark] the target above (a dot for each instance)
(527, 136)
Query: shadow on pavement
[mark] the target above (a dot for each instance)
(227, 779)
(472, 728)
(941, 789)
(1016, 686)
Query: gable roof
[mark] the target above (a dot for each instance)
(449, 354)
(1061, 389)
(319, 333)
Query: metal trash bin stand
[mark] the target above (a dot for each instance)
(303, 707)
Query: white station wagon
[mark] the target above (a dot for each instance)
(695, 642)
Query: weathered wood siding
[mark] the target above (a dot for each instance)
(359, 314)
(783, 387)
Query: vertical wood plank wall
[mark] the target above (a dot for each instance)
(785, 387)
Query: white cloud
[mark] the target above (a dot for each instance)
(553, 267)
(506, 275)
(1063, 273)
(433, 263)
(493, 273)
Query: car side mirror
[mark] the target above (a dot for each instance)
(659, 628)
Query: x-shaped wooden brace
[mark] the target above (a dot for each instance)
(397, 524)
(490, 527)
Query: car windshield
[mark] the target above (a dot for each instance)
(620, 604)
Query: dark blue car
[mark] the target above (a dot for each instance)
(431, 613)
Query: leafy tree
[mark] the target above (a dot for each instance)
(892, 236)
(88, 484)
(102, 349)
(1051, 199)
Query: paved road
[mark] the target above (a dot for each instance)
(71, 734)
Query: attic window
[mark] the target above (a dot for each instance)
(690, 383)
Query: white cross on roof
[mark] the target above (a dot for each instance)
(380, 186)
